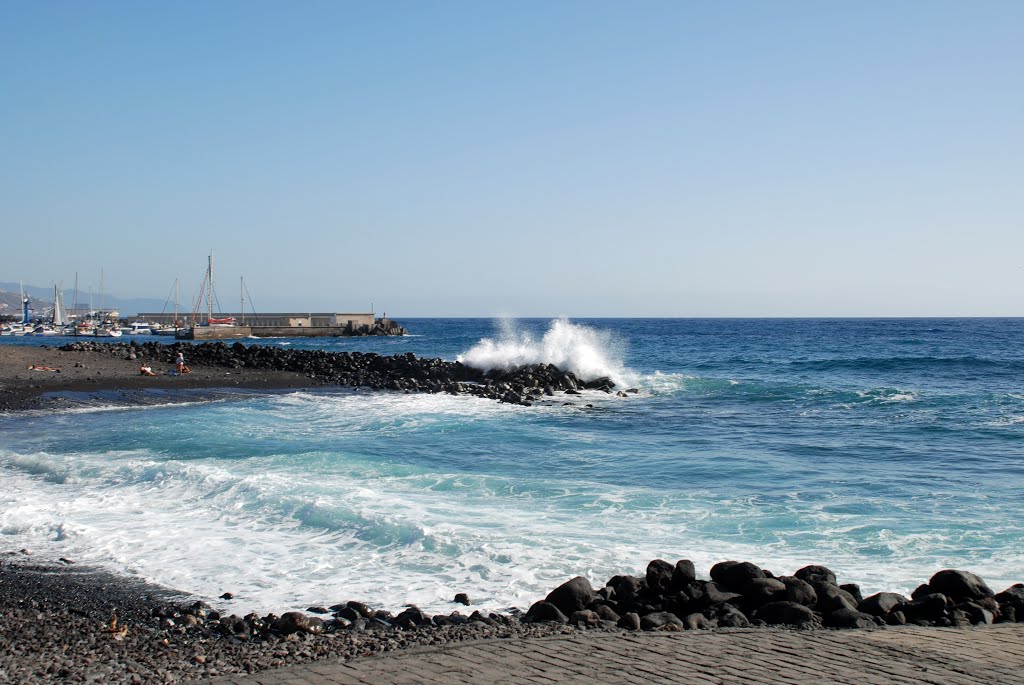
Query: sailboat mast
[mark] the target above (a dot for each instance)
(241, 292)
(209, 290)
(24, 303)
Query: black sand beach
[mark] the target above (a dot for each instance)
(80, 376)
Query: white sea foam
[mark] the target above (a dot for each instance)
(587, 352)
(282, 537)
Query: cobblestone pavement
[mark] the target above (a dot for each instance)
(940, 656)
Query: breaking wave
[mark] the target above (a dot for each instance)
(587, 352)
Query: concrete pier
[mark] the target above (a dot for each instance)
(214, 332)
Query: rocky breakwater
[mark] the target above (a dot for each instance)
(385, 327)
(740, 594)
(408, 373)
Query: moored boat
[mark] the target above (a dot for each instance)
(138, 328)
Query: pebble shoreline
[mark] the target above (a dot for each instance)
(56, 620)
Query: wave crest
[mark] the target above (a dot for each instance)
(587, 352)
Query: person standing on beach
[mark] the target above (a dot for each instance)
(180, 364)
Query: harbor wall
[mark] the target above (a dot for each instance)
(214, 332)
(352, 322)
(380, 327)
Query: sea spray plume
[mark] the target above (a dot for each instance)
(587, 352)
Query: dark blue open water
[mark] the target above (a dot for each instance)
(886, 449)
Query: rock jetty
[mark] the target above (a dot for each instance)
(408, 373)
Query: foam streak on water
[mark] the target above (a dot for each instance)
(738, 446)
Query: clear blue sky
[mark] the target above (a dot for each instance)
(522, 158)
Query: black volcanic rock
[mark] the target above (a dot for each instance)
(959, 585)
(572, 595)
(400, 372)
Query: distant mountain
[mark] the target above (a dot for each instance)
(41, 301)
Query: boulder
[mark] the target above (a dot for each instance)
(659, 575)
(545, 611)
(606, 613)
(413, 615)
(881, 603)
(849, 618)
(684, 573)
(728, 616)
(832, 597)
(816, 573)
(297, 622)
(660, 620)
(1011, 604)
(715, 594)
(786, 613)
(928, 609)
(959, 585)
(585, 617)
(572, 595)
(735, 575)
(627, 588)
(854, 590)
(697, 622)
(763, 590)
(630, 621)
(895, 618)
(1013, 594)
(799, 591)
(977, 614)
(361, 609)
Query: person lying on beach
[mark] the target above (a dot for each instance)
(146, 370)
(36, 367)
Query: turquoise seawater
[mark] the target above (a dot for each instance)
(886, 449)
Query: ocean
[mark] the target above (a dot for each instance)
(886, 449)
